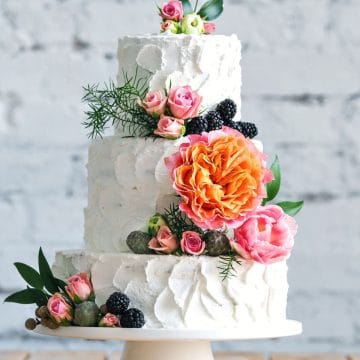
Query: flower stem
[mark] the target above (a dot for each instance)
(196, 5)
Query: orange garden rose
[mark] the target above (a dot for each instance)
(220, 177)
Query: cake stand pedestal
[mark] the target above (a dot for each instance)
(171, 344)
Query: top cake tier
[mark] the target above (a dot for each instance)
(209, 64)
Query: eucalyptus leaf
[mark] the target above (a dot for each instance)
(28, 296)
(46, 274)
(30, 275)
(187, 7)
(273, 187)
(211, 9)
(291, 207)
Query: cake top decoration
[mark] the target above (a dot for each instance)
(182, 17)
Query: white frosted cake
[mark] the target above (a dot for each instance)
(129, 182)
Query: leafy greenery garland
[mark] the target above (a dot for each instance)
(119, 106)
(41, 284)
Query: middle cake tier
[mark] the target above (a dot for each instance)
(128, 183)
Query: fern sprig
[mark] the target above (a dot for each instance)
(119, 107)
(226, 266)
(178, 222)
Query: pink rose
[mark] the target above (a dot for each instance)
(172, 10)
(154, 103)
(209, 28)
(164, 241)
(79, 287)
(191, 243)
(170, 128)
(60, 309)
(266, 236)
(184, 102)
(109, 320)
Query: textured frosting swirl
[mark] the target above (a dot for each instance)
(186, 291)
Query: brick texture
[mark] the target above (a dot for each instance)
(301, 79)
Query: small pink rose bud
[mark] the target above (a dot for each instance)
(60, 310)
(184, 103)
(79, 288)
(164, 242)
(172, 10)
(109, 320)
(209, 28)
(170, 128)
(191, 243)
(154, 103)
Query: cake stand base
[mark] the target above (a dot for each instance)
(174, 344)
(161, 350)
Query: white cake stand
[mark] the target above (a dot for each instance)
(169, 344)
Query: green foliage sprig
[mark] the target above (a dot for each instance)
(178, 222)
(291, 208)
(41, 284)
(210, 10)
(227, 265)
(119, 107)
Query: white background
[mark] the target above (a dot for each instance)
(301, 85)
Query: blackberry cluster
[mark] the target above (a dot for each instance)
(132, 318)
(117, 303)
(214, 120)
(197, 125)
(227, 110)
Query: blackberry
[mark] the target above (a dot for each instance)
(196, 125)
(132, 318)
(234, 125)
(227, 109)
(248, 129)
(117, 303)
(214, 120)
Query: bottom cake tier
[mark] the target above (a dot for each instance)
(185, 292)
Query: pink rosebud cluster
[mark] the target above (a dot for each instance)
(266, 235)
(182, 103)
(175, 22)
(109, 320)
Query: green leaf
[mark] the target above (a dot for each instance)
(28, 296)
(211, 9)
(187, 7)
(30, 275)
(61, 284)
(291, 207)
(273, 188)
(46, 274)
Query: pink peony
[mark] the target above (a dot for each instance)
(191, 243)
(184, 103)
(209, 28)
(266, 236)
(164, 241)
(220, 177)
(154, 103)
(109, 320)
(60, 309)
(79, 287)
(170, 128)
(172, 10)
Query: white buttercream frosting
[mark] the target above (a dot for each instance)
(209, 64)
(185, 291)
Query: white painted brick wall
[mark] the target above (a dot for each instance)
(301, 86)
